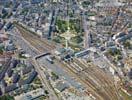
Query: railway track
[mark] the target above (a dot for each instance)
(97, 81)
(104, 81)
(40, 44)
(71, 71)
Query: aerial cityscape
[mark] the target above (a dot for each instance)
(65, 49)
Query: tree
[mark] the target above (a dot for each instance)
(127, 44)
(46, 92)
(7, 97)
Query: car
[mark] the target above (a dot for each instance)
(49, 59)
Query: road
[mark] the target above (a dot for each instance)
(120, 21)
(4, 69)
(53, 21)
(87, 30)
(87, 40)
(52, 95)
